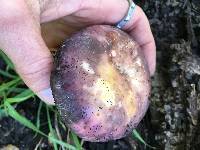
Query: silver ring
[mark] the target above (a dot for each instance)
(129, 15)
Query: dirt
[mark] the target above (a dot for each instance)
(173, 119)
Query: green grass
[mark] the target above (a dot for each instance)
(13, 92)
(138, 137)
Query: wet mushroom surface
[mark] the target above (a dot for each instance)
(100, 83)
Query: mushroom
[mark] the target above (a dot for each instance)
(100, 83)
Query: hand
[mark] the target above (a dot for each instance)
(21, 39)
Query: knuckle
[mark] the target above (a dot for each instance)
(35, 67)
(36, 73)
(139, 10)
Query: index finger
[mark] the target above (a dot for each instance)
(139, 28)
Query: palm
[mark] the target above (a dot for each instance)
(74, 15)
(55, 32)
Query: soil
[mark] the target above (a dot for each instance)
(173, 119)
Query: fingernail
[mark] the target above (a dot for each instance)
(46, 96)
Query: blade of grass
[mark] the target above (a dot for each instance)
(76, 141)
(68, 146)
(3, 97)
(15, 115)
(82, 142)
(5, 86)
(25, 95)
(2, 113)
(52, 108)
(38, 115)
(19, 98)
(6, 59)
(137, 136)
(57, 129)
(12, 89)
(6, 74)
(52, 132)
(16, 90)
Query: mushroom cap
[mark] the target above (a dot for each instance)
(100, 83)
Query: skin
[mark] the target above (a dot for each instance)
(21, 33)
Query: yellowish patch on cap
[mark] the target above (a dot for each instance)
(114, 88)
(129, 103)
(106, 92)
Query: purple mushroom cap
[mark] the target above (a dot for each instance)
(100, 83)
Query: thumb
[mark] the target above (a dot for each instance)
(21, 40)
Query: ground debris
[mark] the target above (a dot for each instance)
(9, 147)
(175, 99)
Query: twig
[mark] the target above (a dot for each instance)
(190, 30)
(38, 144)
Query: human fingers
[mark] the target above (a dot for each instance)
(21, 40)
(140, 30)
